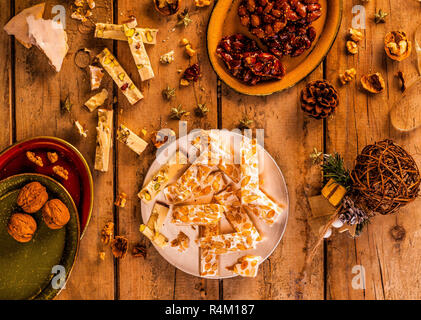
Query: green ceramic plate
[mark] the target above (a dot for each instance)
(26, 269)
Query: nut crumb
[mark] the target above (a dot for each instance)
(139, 251)
(52, 156)
(121, 200)
(107, 233)
(182, 241)
(347, 76)
(355, 35)
(102, 255)
(119, 246)
(351, 47)
(61, 172)
(34, 158)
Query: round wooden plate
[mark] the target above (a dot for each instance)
(188, 261)
(224, 21)
(13, 161)
(26, 268)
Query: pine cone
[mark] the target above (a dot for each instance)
(319, 99)
(351, 214)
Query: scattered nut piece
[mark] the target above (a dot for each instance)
(21, 227)
(107, 233)
(202, 3)
(167, 57)
(347, 76)
(121, 200)
(34, 158)
(184, 42)
(402, 80)
(373, 83)
(55, 214)
(397, 45)
(167, 7)
(119, 246)
(201, 110)
(189, 50)
(139, 251)
(102, 255)
(184, 83)
(351, 47)
(52, 157)
(81, 129)
(61, 172)
(32, 197)
(355, 35)
(182, 241)
(159, 139)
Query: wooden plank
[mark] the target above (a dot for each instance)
(6, 79)
(155, 278)
(39, 90)
(390, 265)
(289, 138)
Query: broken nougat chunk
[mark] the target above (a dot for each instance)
(104, 130)
(97, 74)
(116, 32)
(246, 266)
(139, 53)
(81, 129)
(161, 179)
(182, 242)
(154, 224)
(120, 77)
(18, 27)
(49, 36)
(209, 263)
(224, 243)
(130, 139)
(262, 206)
(97, 100)
(201, 214)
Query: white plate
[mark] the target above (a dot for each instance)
(188, 261)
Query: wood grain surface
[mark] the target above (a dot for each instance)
(30, 95)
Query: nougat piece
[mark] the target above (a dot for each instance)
(103, 140)
(182, 241)
(152, 228)
(97, 74)
(116, 32)
(249, 166)
(130, 139)
(258, 203)
(172, 168)
(246, 266)
(225, 243)
(209, 260)
(97, 100)
(201, 214)
(120, 77)
(140, 56)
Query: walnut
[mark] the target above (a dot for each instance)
(373, 83)
(61, 172)
(34, 158)
(102, 255)
(52, 156)
(32, 197)
(355, 35)
(22, 227)
(202, 3)
(351, 47)
(107, 233)
(347, 76)
(55, 214)
(119, 247)
(397, 45)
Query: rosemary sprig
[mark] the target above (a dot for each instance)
(333, 168)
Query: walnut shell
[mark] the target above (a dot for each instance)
(167, 7)
(32, 197)
(55, 214)
(397, 45)
(22, 227)
(373, 83)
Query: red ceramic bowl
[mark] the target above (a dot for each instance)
(79, 184)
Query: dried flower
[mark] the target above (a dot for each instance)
(183, 18)
(66, 105)
(380, 16)
(169, 93)
(139, 251)
(178, 112)
(201, 110)
(245, 123)
(119, 246)
(316, 156)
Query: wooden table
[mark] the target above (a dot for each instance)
(30, 94)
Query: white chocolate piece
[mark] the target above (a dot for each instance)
(97, 100)
(154, 225)
(246, 266)
(161, 179)
(201, 214)
(225, 243)
(104, 142)
(97, 74)
(139, 53)
(49, 36)
(116, 32)
(81, 129)
(209, 261)
(18, 26)
(130, 139)
(120, 77)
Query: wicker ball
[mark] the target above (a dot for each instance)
(385, 178)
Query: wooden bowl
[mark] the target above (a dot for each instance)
(224, 21)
